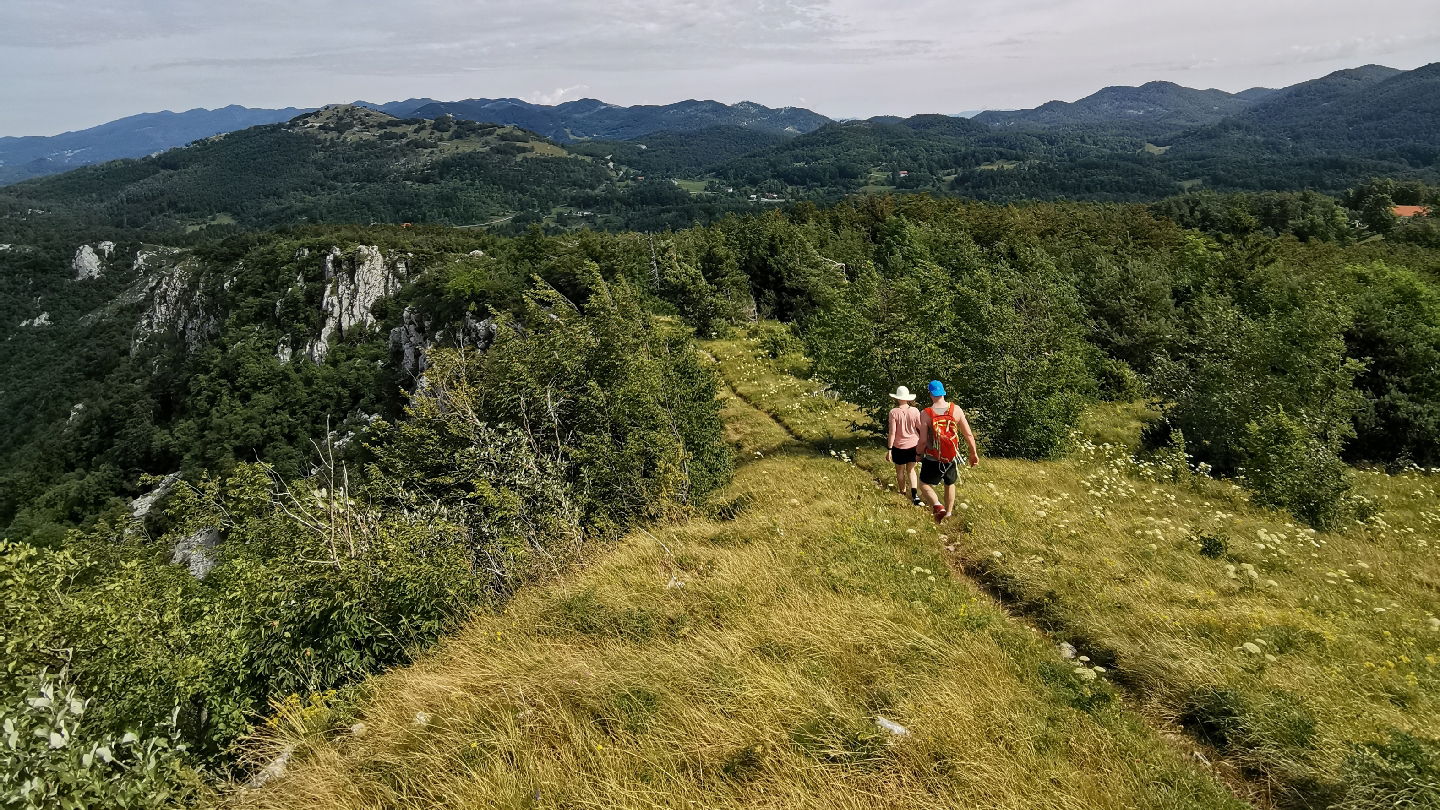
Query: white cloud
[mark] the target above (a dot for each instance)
(555, 96)
(71, 63)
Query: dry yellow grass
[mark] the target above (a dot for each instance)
(739, 663)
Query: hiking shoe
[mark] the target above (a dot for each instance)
(939, 512)
(917, 502)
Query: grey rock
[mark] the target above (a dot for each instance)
(141, 507)
(408, 342)
(273, 770)
(197, 552)
(86, 264)
(175, 308)
(354, 283)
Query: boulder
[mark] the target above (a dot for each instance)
(197, 552)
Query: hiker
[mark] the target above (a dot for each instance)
(941, 426)
(904, 439)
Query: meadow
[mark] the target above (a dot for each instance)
(1309, 659)
(803, 644)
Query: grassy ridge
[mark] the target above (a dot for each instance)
(1305, 656)
(743, 661)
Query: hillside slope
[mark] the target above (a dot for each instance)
(806, 647)
(130, 137)
(1310, 659)
(1153, 105)
(341, 164)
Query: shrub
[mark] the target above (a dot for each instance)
(1213, 546)
(1403, 771)
(1287, 467)
(51, 757)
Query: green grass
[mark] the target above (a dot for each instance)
(1342, 628)
(739, 662)
(692, 186)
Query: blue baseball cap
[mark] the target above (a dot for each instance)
(937, 388)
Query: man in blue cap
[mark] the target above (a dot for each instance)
(942, 425)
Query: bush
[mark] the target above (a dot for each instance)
(1287, 467)
(1403, 771)
(51, 757)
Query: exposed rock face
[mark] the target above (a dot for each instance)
(355, 283)
(411, 341)
(408, 343)
(86, 263)
(470, 333)
(141, 507)
(147, 256)
(197, 552)
(43, 319)
(175, 308)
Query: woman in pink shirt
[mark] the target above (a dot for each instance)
(904, 438)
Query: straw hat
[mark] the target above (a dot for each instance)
(903, 394)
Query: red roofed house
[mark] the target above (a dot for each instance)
(1410, 211)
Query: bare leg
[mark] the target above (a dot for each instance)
(914, 476)
(950, 499)
(928, 493)
(900, 479)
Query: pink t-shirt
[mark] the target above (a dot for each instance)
(904, 427)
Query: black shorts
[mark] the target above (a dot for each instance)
(932, 472)
(905, 456)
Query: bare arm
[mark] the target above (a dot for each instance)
(969, 437)
(924, 434)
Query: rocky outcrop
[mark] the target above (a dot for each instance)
(175, 308)
(43, 319)
(354, 282)
(141, 507)
(412, 340)
(197, 552)
(408, 343)
(86, 264)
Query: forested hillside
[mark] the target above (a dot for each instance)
(130, 137)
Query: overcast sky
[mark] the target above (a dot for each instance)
(70, 64)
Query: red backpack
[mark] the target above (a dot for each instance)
(944, 434)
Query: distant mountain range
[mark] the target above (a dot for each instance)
(422, 159)
(589, 118)
(339, 164)
(141, 135)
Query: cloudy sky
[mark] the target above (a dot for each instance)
(72, 64)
